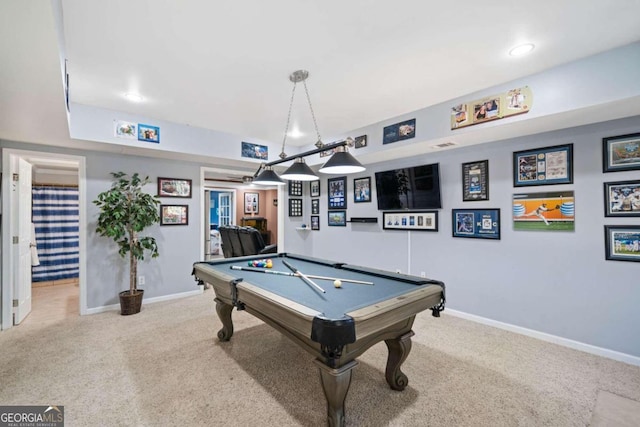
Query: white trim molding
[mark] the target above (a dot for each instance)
(565, 342)
(146, 301)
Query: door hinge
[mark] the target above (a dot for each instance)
(16, 177)
(15, 302)
(16, 240)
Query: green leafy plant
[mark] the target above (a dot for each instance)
(125, 211)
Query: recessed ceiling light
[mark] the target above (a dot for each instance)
(133, 97)
(523, 49)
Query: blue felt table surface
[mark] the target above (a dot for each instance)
(336, 301)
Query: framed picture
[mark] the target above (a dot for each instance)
(476, 223)
(486, 110)
(622, 242)
(360, 141)
(475, 181)
(254, 151)
(621, 153)
(399, 131)
(414, 220)
(622, 198)
(127, 130)
(550, 211)
(148, 133)
(251, 202)
(314, 188)
(174, 187)
(295, 207)
(543, 166)
(337, 218)
(315, 206)
(337, 192)
(295, 188)
(315, 222)
(362, 190)
(174, 215)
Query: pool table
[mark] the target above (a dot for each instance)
(334, 324)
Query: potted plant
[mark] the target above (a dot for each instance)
(125, 211)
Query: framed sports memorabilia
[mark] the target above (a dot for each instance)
(414, 220)
(337, 218)
(315, 206)
(543, 166)
(621, 153)
(337, 192)
(548, 211)
(362, 190)
(295, 207)
(622, 242)
(476, 223)
(622, 198)
(315, 222)
(475, 181)
(314, 188)
(295, 188)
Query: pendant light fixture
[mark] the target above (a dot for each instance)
(341, 162)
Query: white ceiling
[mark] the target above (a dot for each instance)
(225, 65)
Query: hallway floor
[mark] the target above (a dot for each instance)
(51, 304)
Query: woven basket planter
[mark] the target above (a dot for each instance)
(131, 304)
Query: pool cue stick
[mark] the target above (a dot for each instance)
(360, 282)
(303, 276)
(286, 273)
(260, 270)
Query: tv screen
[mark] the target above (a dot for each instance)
(416, 187)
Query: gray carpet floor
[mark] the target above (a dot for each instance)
(165, 367)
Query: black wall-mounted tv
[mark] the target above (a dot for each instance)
(415, 187)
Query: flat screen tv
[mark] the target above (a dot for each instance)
(415, 187)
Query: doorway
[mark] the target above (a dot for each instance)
(49, 303)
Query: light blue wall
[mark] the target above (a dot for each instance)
(179, 246)
(556, 283)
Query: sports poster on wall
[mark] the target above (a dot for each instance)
(493, 107)
(548, 211)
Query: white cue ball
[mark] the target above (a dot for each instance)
(337, 283)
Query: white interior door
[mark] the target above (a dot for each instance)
(22, 233)
(207, 225)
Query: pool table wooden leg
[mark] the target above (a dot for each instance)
(335, 383)
(224, 313)
(399, 349)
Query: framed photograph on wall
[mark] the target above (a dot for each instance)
(622, 242)
(622, 198)
(337, 218)
(295, 207)
(337, 192)
(548, 211)
(315, 206)
(315, 222)
(314, 188)
(174, 187)
(362, 190)
(621, 153)
(476, 223)
(295, 188)
(251, 203)
(399, 131)
(174, 215)
(543, 166)
(360, 141)
(254, 151)
(148, 133)
(414, 220)
(475, 181)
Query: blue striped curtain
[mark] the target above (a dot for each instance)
(55, 215)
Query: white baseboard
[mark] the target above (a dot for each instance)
(146, 301)
(576, 345)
